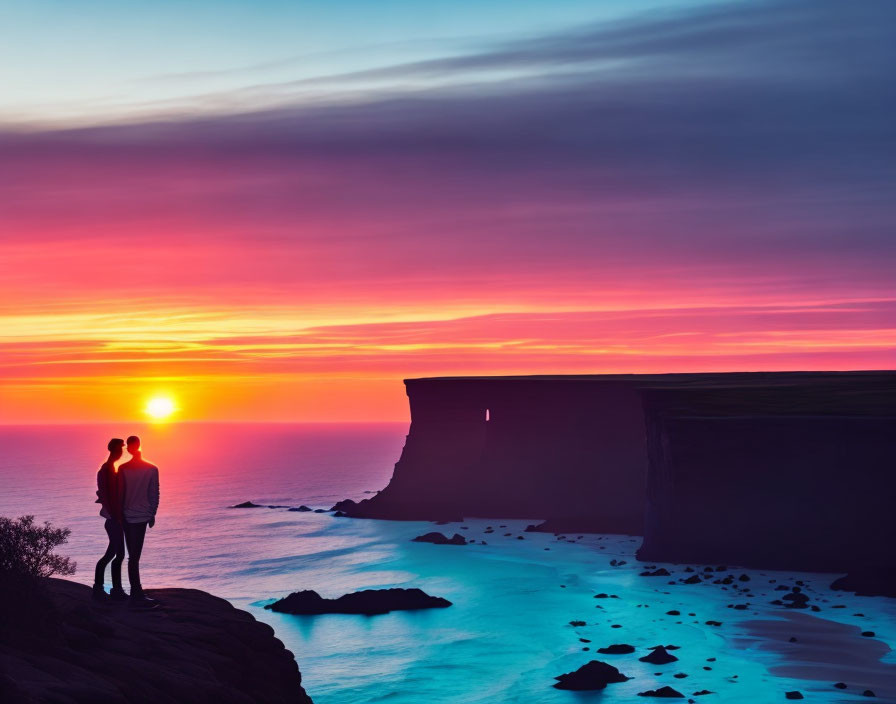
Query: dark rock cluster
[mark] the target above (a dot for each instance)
(590, 676)
(437, 538)
(368, 602)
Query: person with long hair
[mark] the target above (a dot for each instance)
(109, 496)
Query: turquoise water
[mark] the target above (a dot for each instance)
(506, 636)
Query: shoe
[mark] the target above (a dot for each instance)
(99, 594)
(142, 601)
(118, 594)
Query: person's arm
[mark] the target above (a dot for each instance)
(116, 490)
(153, 494)
(123, 490)
(101, 488)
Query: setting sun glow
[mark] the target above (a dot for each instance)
(221, 231)
(160, 407)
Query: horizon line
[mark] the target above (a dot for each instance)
(203, 422)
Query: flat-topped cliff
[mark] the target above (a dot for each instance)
(581, 451)
(520, 447)
(801, 476)
(194, 648)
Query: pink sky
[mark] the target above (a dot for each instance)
(296, 262)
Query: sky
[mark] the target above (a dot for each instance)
(276, 211)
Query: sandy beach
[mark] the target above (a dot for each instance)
(826, 652)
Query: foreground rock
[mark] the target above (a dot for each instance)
(369, 602)
(194, 648)
(437, 538)
(592, 675)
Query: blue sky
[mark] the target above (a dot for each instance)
(304, 203)
(99, 60)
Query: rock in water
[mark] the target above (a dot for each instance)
(793, 695)
(368, 602)
(592, 675)
(437, 538)
(346, 505)
(659, 656)
(617, 649)
(796, 599)
(663, 692)
(247, 504)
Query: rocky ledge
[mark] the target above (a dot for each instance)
(195, 647)
(368, 602)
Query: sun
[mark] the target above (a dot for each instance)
(160, 407)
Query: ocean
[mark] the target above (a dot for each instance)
(508, 633)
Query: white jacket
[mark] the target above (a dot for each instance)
(141, 493)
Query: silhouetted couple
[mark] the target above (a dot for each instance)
(129, 496)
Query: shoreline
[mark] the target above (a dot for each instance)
(824, 651)
(580, 570)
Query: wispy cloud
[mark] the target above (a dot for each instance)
(700, 188)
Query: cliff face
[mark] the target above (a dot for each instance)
(797, 476)
(194, 648)
(520, 448)
(740, 467)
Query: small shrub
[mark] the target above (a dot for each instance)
(27, 613)
(27, 549)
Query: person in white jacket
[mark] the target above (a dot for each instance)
(140, 501)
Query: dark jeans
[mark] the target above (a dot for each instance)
(114, 554)
(134, 533)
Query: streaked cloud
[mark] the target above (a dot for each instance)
(706, 187)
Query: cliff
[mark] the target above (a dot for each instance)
(569, 448)
(194, 648)
(574, 450)
(791, 475)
